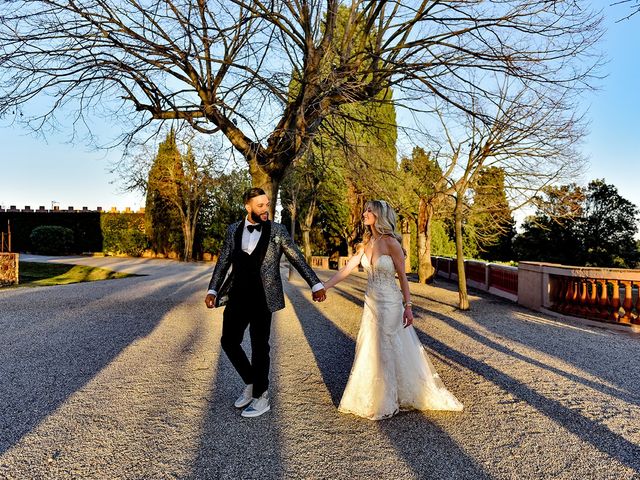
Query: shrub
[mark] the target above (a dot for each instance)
(51, 240)
(123, 233)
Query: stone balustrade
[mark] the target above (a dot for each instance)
(497, 279)
(604, 294)
(320, 262)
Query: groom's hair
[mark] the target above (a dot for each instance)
(252, 192)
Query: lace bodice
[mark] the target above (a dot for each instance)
(382, 272)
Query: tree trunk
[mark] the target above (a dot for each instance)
(294, 213)
(306, 230)
(270, 183)
(349, 247)
(188, 239)
(306, 244)
(425, 217)
(462, 278)
(406, 243)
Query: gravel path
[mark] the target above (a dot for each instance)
(125, 379)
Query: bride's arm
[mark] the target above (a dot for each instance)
(397, 254)
(346, 270)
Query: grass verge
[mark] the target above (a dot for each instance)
(36, 274)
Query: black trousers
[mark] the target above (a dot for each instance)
(238, 315)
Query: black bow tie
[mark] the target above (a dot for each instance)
(257, 226)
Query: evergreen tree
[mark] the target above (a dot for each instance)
(552, 234)
(595, 226)
(490, 216)
(608, 227)
(223, 207)
(162, 219)
(421, 200)
(177, 186)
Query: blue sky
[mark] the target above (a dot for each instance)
(35, 171)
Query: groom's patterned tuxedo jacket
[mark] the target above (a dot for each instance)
(279, 242)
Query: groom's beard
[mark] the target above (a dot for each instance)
(256, 218)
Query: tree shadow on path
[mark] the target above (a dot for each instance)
(56, 339)
(596, 434)
(232, 447)
(424, 446)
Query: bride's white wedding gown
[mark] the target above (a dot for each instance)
(391, 370)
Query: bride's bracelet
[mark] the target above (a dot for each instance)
(407, 304)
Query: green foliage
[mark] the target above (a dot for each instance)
(551, 235)
(608, 227)
(352, 158)
(52, 240)
(572, 226)
(123, 234)
(419, 174)
(441, 244)
(223, 207)
(162, 217)
(490, 216)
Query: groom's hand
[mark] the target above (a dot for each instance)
(210, 300)
(319, 296)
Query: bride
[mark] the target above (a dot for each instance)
(391, 370)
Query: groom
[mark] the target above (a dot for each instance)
(247, 279)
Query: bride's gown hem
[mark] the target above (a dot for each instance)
(391, 371)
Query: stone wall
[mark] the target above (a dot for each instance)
(9, 268)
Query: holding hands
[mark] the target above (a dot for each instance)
(320, 295)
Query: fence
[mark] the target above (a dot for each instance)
(604, 294)
(500, 280)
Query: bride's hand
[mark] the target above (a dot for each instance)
(407, 318)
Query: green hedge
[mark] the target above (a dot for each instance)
(52, 240)
(116, 233)
(123, 233)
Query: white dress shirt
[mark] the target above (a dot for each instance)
(249, 242)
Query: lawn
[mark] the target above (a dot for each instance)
(42, 274)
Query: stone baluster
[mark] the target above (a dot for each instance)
(574, 305)
(582, 299)
(592, 301)
(628, 301)
(555, 293)
(615, 301)
(636, 318)
(603, 300)
(566, 295)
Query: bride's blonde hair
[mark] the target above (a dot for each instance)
(386, 220)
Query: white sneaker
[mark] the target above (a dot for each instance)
(246, 397)
(258, 406)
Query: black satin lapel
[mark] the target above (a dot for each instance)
(263, 243)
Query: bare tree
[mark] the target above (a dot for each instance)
(532, 138)
(225, 66)
(634, 6)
